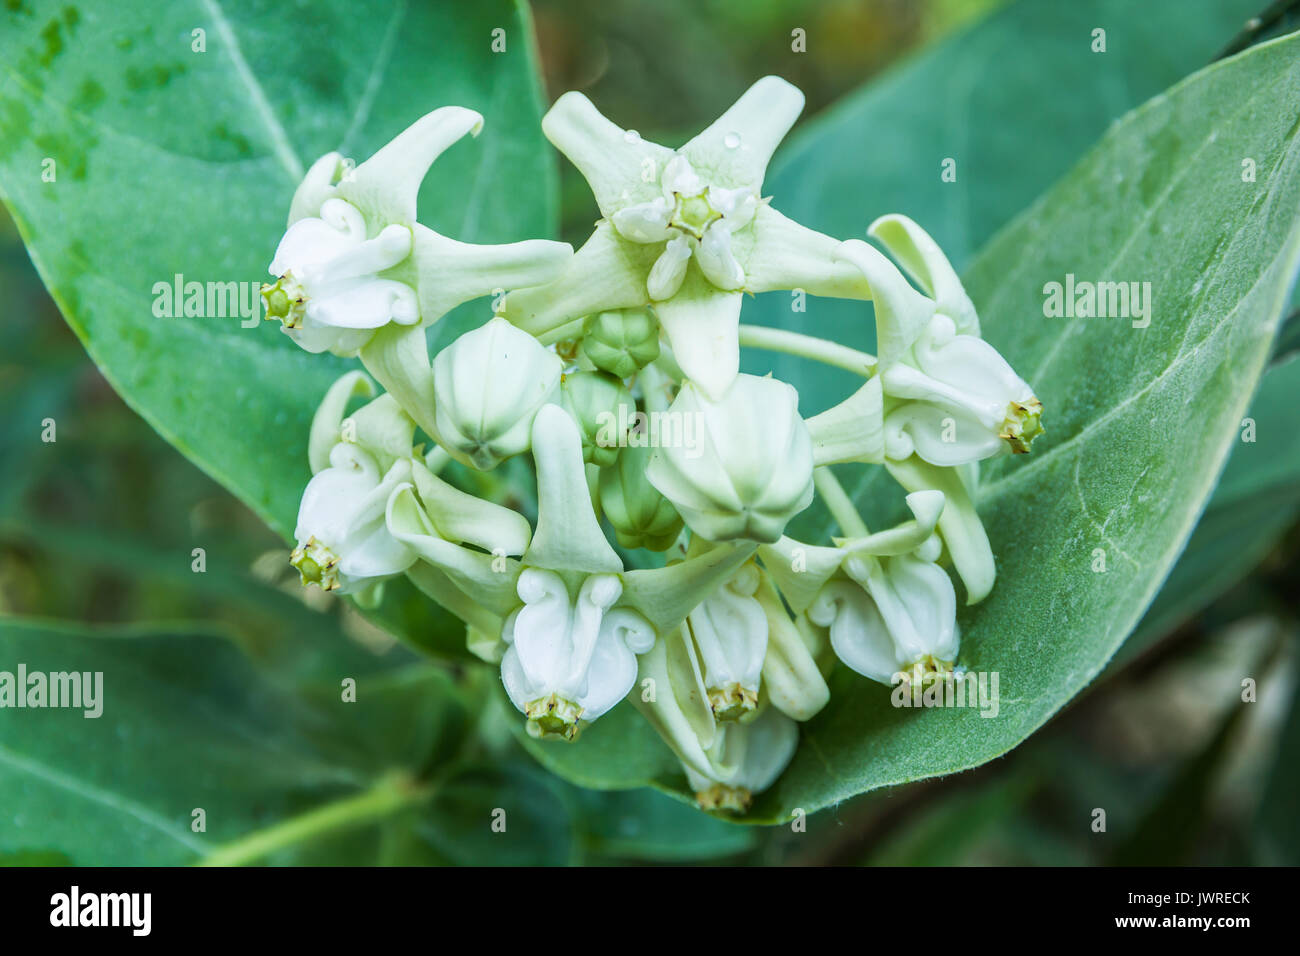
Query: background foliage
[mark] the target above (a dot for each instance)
(96, 530)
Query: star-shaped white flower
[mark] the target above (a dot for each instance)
(358, 274)
(686, 231)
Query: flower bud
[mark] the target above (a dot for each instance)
(621, 342)
(602, 406)
(640, 515)
(749, 469)
(488, 387)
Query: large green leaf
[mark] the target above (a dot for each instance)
(1139, 420)
(172, 161)
(1255, 502)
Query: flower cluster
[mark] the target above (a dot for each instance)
(615, 371)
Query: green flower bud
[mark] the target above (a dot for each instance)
(593, 399)
(621, 342)
(641, 516)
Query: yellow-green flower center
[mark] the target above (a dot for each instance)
(731, 701)
(1024, 423)
(553, 716)
(285, 300)
(316, 564)
(694, 214)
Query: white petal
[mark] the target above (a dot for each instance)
(858, 633)
(621, 168)
(462, 518)
(644, 222)
(613, 668)
(942, 436)
(451, 272)
(608, 272)
(902, 313)
(716, 261)
(309, 241)
(669, 270)
(679, 179)
(542, 629)
(666, 595)
(488, 580)
(960, 525)
(702, 325)
(781, 254)
(316, 187)
(853, 430)
(568, 535)
(736, 148)
(398, 357)
(329, 416)
(386, 185)
(366, 303)
(925, 262)
(800, 570)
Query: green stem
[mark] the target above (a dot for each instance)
(809, 347)
(392, 793)
(838, 503)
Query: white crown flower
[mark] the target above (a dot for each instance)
(617, 370)
(725, 763)
(889, 607)
(667, 210)
(358, 274)
(357, 464)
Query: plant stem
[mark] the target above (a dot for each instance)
(838, 503)
(809, 347)
(392, 793)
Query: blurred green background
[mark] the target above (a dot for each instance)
(98, 527)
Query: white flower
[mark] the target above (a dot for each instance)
(745, 759)
(725, 763)
(942, 398)
(729, 638)
(329, 294)
(891, 615)
(890, 608)
(694, 218)
(570, 657)
(665, 209)
(359, 275)
(343, 540)
(750, 469)
(949, 397)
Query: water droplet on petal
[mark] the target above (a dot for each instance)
(731, 140)
(632, 136)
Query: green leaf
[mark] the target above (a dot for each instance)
(187, 723)
(1256, 500)
(171, 161)
(1139, 422)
